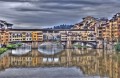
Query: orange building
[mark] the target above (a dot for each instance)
(37, 36)
(4, 34)
(112, 30)
(4, 39)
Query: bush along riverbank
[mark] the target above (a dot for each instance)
(2, 50)
(13, 46)
(10, 46)
(79, 46)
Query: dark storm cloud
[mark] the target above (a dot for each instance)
(48, 8)
(45, 13)
(31, 9)
(72, 2)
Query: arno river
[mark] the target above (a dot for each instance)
(67, 63)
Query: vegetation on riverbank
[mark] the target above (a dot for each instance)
(80, 46)
(13, 46)
(10, 46)
(19, 44)
(2, 50)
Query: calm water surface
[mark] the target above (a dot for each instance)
(68, 63)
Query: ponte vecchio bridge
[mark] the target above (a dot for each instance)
(68, 37)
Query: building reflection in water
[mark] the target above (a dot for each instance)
(91, 62)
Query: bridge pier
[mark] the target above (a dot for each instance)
(68, 43)
(35, 44)
(100, 44)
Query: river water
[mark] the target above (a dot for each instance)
(68, 63)
(53, 72)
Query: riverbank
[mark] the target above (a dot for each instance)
(9, 47)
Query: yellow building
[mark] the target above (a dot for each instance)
(34, 36)
(25, 35)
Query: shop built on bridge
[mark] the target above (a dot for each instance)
(35, 37)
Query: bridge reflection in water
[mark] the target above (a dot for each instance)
(90, 62)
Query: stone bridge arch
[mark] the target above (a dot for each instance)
(85, 43)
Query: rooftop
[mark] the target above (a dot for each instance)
(51, 30)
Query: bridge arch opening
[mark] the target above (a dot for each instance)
(50, 48)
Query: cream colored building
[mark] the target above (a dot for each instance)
(25, 35)
(78, 35)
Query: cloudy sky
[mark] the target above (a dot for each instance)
(47, 13)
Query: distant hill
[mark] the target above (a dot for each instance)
(63, 26)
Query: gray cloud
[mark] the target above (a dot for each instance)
(19, 0)
(45, 13)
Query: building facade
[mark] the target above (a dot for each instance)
(4, 37)
(78, 35)
(90, 29)
(112, 29)
(21, 35)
